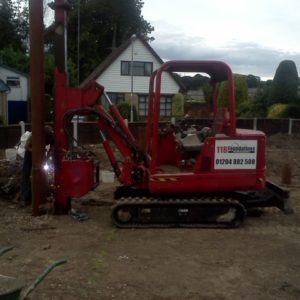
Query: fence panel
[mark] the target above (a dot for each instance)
(273, 126)
(296, 126)
(88, 132)
(9, 136)
(245, 123)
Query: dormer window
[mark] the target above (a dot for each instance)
(140, 68)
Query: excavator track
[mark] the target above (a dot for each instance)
(206, 212)
(139, 209)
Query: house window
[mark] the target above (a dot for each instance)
(165, 105)
(116, 98)
(140, 68)
(13, 81)
(143, 105)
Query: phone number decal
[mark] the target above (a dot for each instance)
(235, 154)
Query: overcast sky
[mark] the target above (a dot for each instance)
(252, 36)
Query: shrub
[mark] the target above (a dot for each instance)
(280, 110)
(277, 110)
(178, 105)
(247, 109)
(293, 111)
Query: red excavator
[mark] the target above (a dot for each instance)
(205, 177)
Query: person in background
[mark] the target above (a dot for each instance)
(27, 165)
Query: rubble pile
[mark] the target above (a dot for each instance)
(10, 178)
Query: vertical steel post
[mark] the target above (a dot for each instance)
(37, 106)
(290, 126)
(255, 124)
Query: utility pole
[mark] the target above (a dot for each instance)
(37, 88)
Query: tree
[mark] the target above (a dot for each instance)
(285, 84)
(194, 83)
(208, 94)
(124, 18)
(15, 58)
(240, 91)
(253, 81)
(254, 108)
(8, 34)
(13, 24)
(260, 103)
(14, 34)
(49, 65)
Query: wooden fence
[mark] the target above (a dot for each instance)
(88, 133)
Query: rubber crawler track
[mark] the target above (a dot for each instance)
(207, 212)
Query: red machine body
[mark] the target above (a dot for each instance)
(78, 177)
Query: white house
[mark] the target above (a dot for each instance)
(114, 73)
(17, 95)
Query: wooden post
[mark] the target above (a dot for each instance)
(37, 89)
(286, 174)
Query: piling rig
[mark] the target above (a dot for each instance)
(207, 178)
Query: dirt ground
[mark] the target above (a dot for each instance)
(260, 260)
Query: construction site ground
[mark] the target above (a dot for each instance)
(259, 260)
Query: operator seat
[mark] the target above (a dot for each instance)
(194, 142)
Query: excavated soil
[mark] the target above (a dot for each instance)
(260, 260)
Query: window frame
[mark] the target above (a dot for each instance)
(144, 102)
(166, 105)
(14, 79)
(116, 98)
(140, 68)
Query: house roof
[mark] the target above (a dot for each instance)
(115, 54)
(3, 87)
(14, 70)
